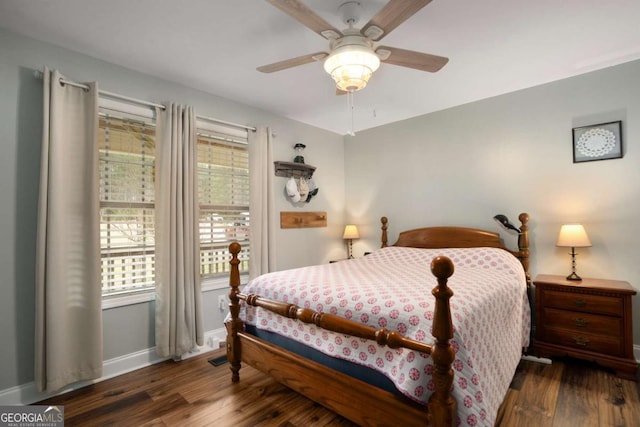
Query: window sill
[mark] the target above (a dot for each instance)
(143, 297)
(120, 301)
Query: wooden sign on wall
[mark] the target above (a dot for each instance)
(303, 219)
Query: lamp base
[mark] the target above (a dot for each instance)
(574, 276)
(349, 248)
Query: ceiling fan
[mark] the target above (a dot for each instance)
(354, 54)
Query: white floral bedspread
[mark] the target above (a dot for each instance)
(391, 288)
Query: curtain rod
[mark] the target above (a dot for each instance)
(39, 75)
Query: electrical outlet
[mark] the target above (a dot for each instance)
(223, 302)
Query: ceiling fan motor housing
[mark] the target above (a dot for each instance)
(351, 12)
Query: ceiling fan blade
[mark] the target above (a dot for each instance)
(393, 14)
(305, 16)
(293, 62)
(408, 58)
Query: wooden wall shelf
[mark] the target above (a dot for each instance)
(303, 219)
(296, 170)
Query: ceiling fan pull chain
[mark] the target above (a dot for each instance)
(350, 104)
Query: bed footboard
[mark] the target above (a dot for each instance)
(441, 406)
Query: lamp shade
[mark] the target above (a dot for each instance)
(573, 236)
(351, 232)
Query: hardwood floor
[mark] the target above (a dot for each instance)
(569, 393)
(195, 393)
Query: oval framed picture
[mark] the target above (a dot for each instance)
(597, 142)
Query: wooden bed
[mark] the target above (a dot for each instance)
(354, 399)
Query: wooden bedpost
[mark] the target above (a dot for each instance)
(235, 324)
(442, 407)
(384, 220)
(523, 245)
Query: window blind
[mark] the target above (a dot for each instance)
(223, 192)
(127, 168)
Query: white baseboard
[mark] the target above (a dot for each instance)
(543, 360)
(636, 355)
(212, 341)
(26, 394)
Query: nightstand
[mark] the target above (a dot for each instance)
(589, 319)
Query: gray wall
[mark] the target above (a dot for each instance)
(126, 329)
(511, 154)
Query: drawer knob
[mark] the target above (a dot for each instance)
(580, 303)
(580, 322)
(581, 341)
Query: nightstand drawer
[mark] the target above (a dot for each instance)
(599, 304)
(604, 344)
(582, 322)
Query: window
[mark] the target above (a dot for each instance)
(223, 193)
(127, 172)
(127, 168)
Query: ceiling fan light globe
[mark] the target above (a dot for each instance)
(351, 78)
(351, 66)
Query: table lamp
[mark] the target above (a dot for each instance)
(573, 236)
(350, 233)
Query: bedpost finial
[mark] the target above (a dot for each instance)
(383, 238)
(234, 274)
(442, 267)
(524, 218)
(235, 248)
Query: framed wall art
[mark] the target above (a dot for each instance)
(597, 142)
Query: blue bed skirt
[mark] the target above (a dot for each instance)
(354, 370)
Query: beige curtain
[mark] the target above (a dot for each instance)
(68, 332)
(261, 202)
(179, 327)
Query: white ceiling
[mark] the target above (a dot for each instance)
(493, 46)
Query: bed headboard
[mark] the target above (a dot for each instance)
(462, 237)
(448, 237)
